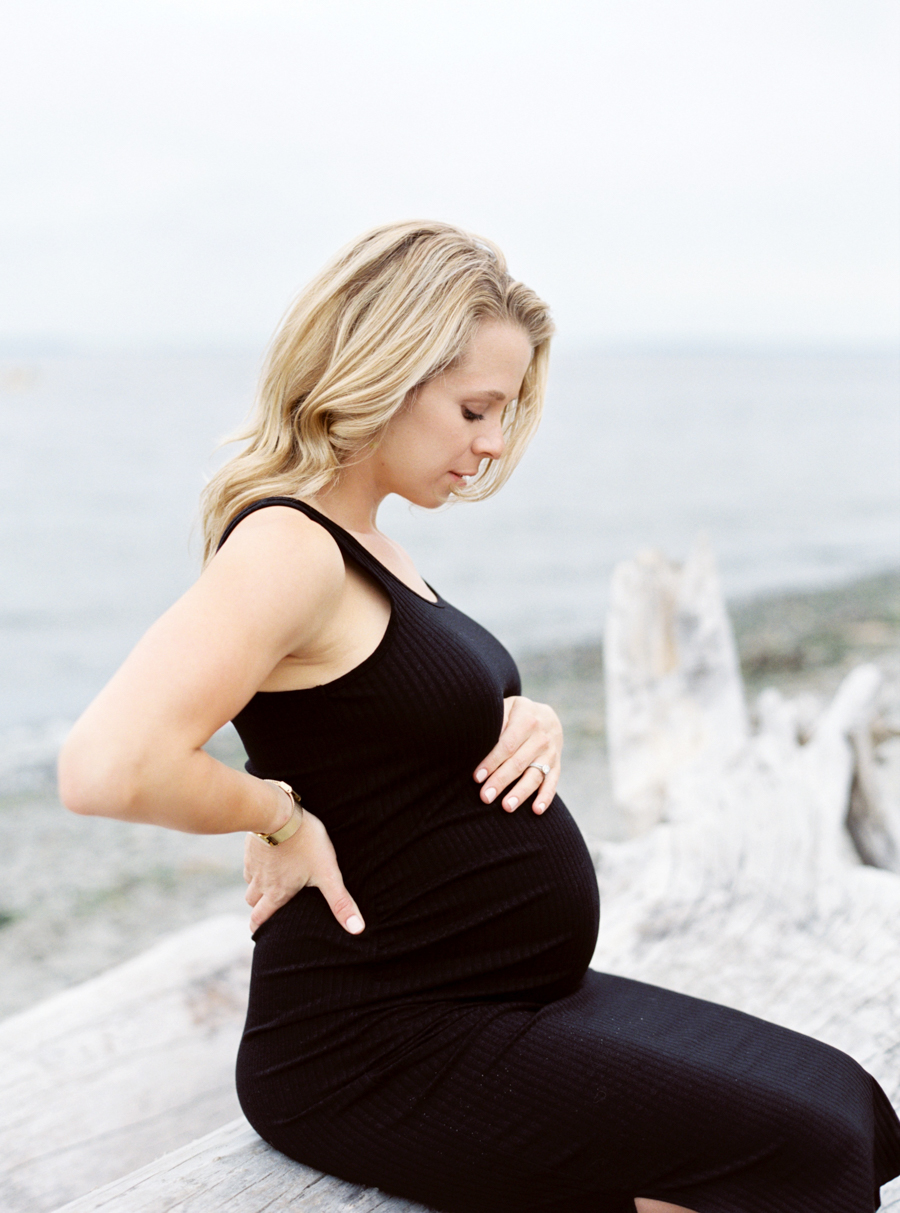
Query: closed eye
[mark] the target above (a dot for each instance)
(470, 416)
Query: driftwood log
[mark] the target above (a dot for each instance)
(744, 884)
(233, 1170)
(749, 890)
(108, 1075)
(874, 816)
(673, 683)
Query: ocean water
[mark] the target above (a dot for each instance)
(790, 463)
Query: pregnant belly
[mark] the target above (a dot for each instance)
(490, 906)
(468, 905)
(465, 906)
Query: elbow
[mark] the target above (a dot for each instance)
(94, 784)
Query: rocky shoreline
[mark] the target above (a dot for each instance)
(81, 894)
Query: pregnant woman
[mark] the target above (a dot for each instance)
(422, 1017)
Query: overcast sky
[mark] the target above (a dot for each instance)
(660, 170)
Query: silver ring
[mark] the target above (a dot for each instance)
(542, 767)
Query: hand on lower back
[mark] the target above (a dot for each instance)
(275, 874)
(531, 734)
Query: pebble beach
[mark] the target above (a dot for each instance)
(82, 894)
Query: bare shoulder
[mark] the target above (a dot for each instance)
(280, 534)
(279, 554)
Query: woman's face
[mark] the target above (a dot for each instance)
(452, 422)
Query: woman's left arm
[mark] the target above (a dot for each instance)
(531, 734)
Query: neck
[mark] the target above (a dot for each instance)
(352, 500)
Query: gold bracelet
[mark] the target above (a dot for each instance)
(292, 825)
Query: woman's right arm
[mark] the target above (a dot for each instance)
(136, 753)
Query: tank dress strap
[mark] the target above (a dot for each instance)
(349, 544)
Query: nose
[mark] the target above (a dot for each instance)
(490, 442)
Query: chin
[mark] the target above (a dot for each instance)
(429, 500)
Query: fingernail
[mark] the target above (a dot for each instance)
(539, 807)
(512, 802)
(354, 924)
(481, 775)
(489, 794)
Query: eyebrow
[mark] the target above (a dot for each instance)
(490, 393)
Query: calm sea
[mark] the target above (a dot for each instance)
(789, 462)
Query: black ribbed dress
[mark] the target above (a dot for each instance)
(460, 1052)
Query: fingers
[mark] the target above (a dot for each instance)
(264, 908)
(518, 726)
(331, 886)
(533, 783)
(524, 742)
(531, 734)
(516, 778)
(341, 904)
(546, 791)
(276, 874)
(326, 876)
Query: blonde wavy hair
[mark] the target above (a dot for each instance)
(391, 311)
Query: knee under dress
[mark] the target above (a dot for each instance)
(460, 1052)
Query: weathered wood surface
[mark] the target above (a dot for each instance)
(233, 1169)
(750, 895)
(874, 816)
(673, 685)
(750, 891)
(103, 1078)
